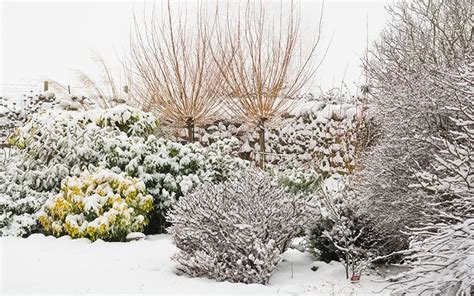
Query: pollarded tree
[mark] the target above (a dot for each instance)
(265, 63)
(171, 65)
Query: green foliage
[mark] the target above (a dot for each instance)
(168, 169)
(56, 144)
(128, 120)
(99, 205)
(300, 181)
(18, 207)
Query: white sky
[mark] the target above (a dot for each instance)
(49, 40)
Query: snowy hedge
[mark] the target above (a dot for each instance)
(98, 205)
(129, 120)
(56, 144)
(302, 181)
(169, 169)
(18, 207)
(236, 230)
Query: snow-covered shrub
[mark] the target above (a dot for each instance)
(450, 179)
(222, 160)
(443, 263)
(14, 113)
(56, 144)
(235, 230)
(341, 231)
(98, 205)
(168, 169)
(412, 75)
(442, 249)
(302, 181)
(53, 145)
(128, 120)
(18, 207)
(75, 103)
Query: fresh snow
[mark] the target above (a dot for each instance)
(45, 265)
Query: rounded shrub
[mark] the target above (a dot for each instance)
(98, 205)
(129, 120)
(235, 230)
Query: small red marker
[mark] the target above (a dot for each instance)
(355, 278)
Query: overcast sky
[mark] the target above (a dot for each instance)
(50, 40)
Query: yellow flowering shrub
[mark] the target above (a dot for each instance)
(98, 205)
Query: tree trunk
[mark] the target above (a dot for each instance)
(190, 127)
(261, 142)
(347, 265)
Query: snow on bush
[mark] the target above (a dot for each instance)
(450, 180)
(414, 77)
(341, 232)
(128, 120)
(302, 181)
(18, 207)
(443, 263)
(14, 113)
(236, 230)
(55, 144)
(98, 205)
(168, 169)
(443, 248)
(222, 160)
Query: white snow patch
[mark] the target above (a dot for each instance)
(45, 265)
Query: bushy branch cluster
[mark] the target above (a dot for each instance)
(55, 144)
(411, 71)
(18, 207)
(306, 182)
(421, 174)
(444, 249)
(443, 262)
(235, 230)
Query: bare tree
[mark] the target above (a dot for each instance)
(264, 63)
(172, 67)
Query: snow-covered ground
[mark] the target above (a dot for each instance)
(45, 265)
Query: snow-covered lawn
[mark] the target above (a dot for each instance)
(44, 264)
